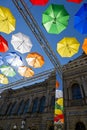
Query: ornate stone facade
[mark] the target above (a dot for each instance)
(75, 93)
(30, 107)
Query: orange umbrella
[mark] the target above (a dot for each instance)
(84, 46)
(35, 60)
(57, 84)
(25, 71)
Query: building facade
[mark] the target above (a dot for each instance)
(75, 93)
(30, 107)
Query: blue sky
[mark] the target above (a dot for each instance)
(22, 27)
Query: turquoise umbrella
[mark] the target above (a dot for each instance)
(55, 19)
(7, 71)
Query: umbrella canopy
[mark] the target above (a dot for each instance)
(67, 47)
(55, 19)
(57, 84)
(21, 43)
(7, 71)
(75, 1)
(84, 46)
(7, 20)
(58, 112)
(1, 60)
(60, 101)
(39, 2)
(13, 59)
(80, 19)
(25, 71)
(3, 44)
(59, 93)
(58, 117)
(35, 60)
(57, 106)
(3, 79)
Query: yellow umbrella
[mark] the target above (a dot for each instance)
(60, 101)
(7, 20)
(35, 60)
(25, 71)
(58, 112)
(3, 79)
(68, 46)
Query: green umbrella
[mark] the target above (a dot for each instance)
(7, 71)
(55, 19)
(57, 106)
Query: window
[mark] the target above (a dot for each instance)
(42, 104)
(21, 106)
(76, 92)
(26, 107)
(35, 105)
(9, 108)
(14, 109)
(4, 109)
(80, 126)
(53, 101)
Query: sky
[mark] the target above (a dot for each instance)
(53, 39)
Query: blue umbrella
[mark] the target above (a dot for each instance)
(1, 60)
(80, 19)
(14, 59)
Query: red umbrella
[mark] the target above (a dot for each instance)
(76, 1)
(39, 2)
(3, 44)
(58, 117)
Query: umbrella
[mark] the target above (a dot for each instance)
(76, 1)
(84, 46)
(57, 84)
(25, 71)
(59, 93)
(7, 20)
(58, 112)
(67, 47)
(3, 79)
(58, 117)
(60, 101)
(1, 60)
(13, 59)
(7, 71)
(57, 106)
(35, 60)
(80, 19)
(3, 44)
(21, 42)
(55, 19)
(39, 2)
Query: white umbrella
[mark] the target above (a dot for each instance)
(59, 93)
(21, 42)
(13, 59)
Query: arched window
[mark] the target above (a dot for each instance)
(13, 105)
(35, 105)
(26, 107)
(9, 108)
(20, 109)
(80, 126)
(53, 101)
(3, 109)
(42, 104)
(76, 92)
